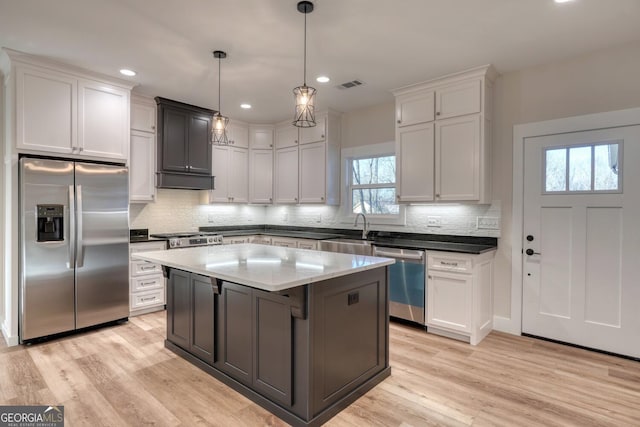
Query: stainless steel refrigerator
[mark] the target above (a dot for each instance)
(74, 240)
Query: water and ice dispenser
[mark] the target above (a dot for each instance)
(50, 223)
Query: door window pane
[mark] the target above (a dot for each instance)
(606, 167)
(380, 201)
(556, 173)
(580, 169)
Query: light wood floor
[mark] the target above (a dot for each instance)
(122, 375)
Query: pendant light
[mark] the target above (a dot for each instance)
(219, 131)
(304, 95)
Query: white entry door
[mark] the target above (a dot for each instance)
(581, 238)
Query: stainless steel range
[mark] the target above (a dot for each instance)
(189, 239)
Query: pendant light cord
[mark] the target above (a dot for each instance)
(219, 78)
(305, 49)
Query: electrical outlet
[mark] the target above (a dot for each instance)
(318, 218)
(434, 221)
(285, 217)
(488, 223)
(211, 218)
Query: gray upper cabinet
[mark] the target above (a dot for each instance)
(184, 146)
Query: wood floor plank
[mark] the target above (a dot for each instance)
(123, 376)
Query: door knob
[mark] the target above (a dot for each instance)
(531, 252)
(529, 238)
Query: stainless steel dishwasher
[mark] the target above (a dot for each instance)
(407, 282)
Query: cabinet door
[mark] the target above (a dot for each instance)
(458, 158)
(284, 242)
(261, 176)
(286, 136)
(235, 240)
(202, 318)
(272, 373)
(46, 111)
(103, 120)
(220, 169)
(414, 109)
(179, 308)
(142, 167)
(238, 134)
(307, 244)
(415, 163)
(313, 172)
(235, 341)
(314, 134)
(143, 117)
(458, 99)
(199, 148)
(261, 137)
(449, 300)
(286, 175)
(239, 175)
(175, 134)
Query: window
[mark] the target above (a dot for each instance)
(591, 168)
(372, 185)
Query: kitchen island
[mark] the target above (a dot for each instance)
(302, 333)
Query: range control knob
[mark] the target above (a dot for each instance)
(172, 243)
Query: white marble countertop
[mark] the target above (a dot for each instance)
(270, 268)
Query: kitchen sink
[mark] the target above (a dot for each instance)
(347, 246)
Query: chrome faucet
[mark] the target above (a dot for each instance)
(365, 225)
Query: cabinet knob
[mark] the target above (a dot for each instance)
(399, 121)
(398, 196)
(270, 145)
(80, 148)
(295, 198)
(437, 195)
(437, 113)
(270, 199)
(322, 136)
(153, 127)
(322, 198)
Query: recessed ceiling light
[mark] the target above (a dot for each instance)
(245, 106)
(127, 72)
(563, 1)
(323, 79)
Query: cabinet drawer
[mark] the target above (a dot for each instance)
(449, 263)
(147, 299)
(140, 268)
(147, 283)
(303, 244)
(159, 245)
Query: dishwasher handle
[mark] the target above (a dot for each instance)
(417, 255)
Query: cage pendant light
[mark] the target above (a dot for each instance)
(219, 130)
(304, 95)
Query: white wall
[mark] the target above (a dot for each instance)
(370, 125)
(604, 80)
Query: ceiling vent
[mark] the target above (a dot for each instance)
(349, 85)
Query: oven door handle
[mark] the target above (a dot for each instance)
(417, 257)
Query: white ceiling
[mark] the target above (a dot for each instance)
(386, 44)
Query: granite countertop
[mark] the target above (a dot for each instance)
(313, 235)
(429, 245)
(270, 268)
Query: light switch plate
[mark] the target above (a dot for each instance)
(434, 221)
(488, 223)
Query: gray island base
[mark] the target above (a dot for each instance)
(305, 352)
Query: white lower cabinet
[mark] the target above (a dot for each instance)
(308, 244)
(286, 242)
(147, 285)
(260, 240)
(235, 240)
(459, 295)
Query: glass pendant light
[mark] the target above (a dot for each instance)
(304, 95)
(219, 131)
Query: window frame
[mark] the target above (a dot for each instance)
(366, 152)
(592, 146)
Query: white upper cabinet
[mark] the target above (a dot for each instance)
(142, 156)
(458, 99)
(286, 175)
(415, 163)
(261, 176)
(286, 135)
(413, 109)
(261, 136)
(313, 172)
(316, 133)
(143, 116)
(61, 109)
(46, 126)
(238, 134)
(230, 166)
(443, 142)
(103, 120)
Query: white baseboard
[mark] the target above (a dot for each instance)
(9, 339)
(505, 324)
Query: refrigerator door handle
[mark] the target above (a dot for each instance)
(79, 243)
(72, 228)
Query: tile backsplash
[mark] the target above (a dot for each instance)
(180, 210)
